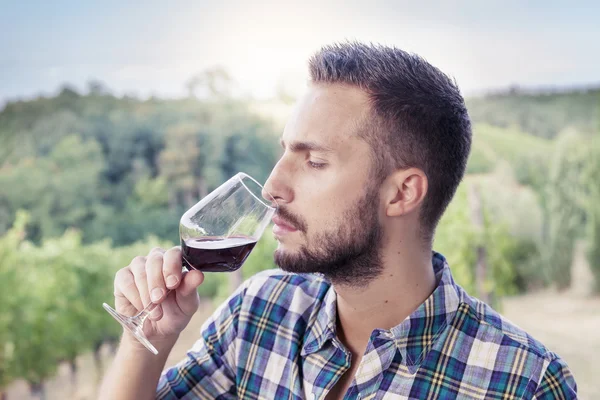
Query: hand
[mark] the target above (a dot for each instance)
(147, 279)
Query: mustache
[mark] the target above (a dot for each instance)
(291, 219)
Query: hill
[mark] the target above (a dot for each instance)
(540, 113)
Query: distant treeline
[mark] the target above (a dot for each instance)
(121, 167)
(543, 113)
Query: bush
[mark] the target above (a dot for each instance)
(509, 257)
(593, 253)
(51, 298)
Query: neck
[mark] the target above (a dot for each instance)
(407, 279)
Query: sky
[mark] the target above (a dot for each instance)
(154, 47)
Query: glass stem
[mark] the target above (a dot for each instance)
(141, 317)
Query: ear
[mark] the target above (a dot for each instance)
(405, 191)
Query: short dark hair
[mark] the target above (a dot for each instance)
(418, 117)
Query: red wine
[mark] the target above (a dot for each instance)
(216, 255)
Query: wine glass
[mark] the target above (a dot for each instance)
(217, 235)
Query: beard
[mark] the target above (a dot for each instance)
(349, 254)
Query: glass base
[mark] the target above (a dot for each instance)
(130, 324)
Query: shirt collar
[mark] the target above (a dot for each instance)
(414, 336)
(321, 322)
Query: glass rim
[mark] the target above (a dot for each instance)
(242, 175)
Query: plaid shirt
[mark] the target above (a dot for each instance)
(275, 339)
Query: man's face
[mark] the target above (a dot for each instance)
(328, 202)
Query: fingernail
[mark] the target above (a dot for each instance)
(171, 280)
(156, 294)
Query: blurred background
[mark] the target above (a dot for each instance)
(115, 118)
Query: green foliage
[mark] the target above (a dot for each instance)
(564, 210)
(541, 114)
(594, 245)
(59, 189)
(51, 299)
(527, 155)
(505, 256)
(513, 210)
(214, 284)
(457, 238)
(590, 202)
(482, 159)
(563, 174)
(124, 168)
(10, 300)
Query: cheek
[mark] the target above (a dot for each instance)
(327, 214)
(326, 197)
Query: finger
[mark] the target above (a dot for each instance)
(156, 250)
(156, 284)
(156, 314)
(186, 294)
(138, 268)
(172, 267)
(190, 283)
(126, 293)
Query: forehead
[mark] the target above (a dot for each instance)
(327, 114)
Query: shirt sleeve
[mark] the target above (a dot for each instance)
(208, 371)
(557, 382)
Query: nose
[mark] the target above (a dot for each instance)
(277, 186)
(266, 194)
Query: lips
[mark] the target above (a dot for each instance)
(282, 227)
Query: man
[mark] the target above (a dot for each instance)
(362, 307)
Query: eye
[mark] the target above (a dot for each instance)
(316, 165)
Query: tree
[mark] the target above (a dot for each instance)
(213, 82)
(179, 164)
(563, 211)
(11, 300)
(590, 177)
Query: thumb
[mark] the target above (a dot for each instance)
(189, 283)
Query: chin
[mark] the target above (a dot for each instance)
(282, 257)
(287, 245)
(293, 261)
(281, 251)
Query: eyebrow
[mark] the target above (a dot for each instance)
(306, 146)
